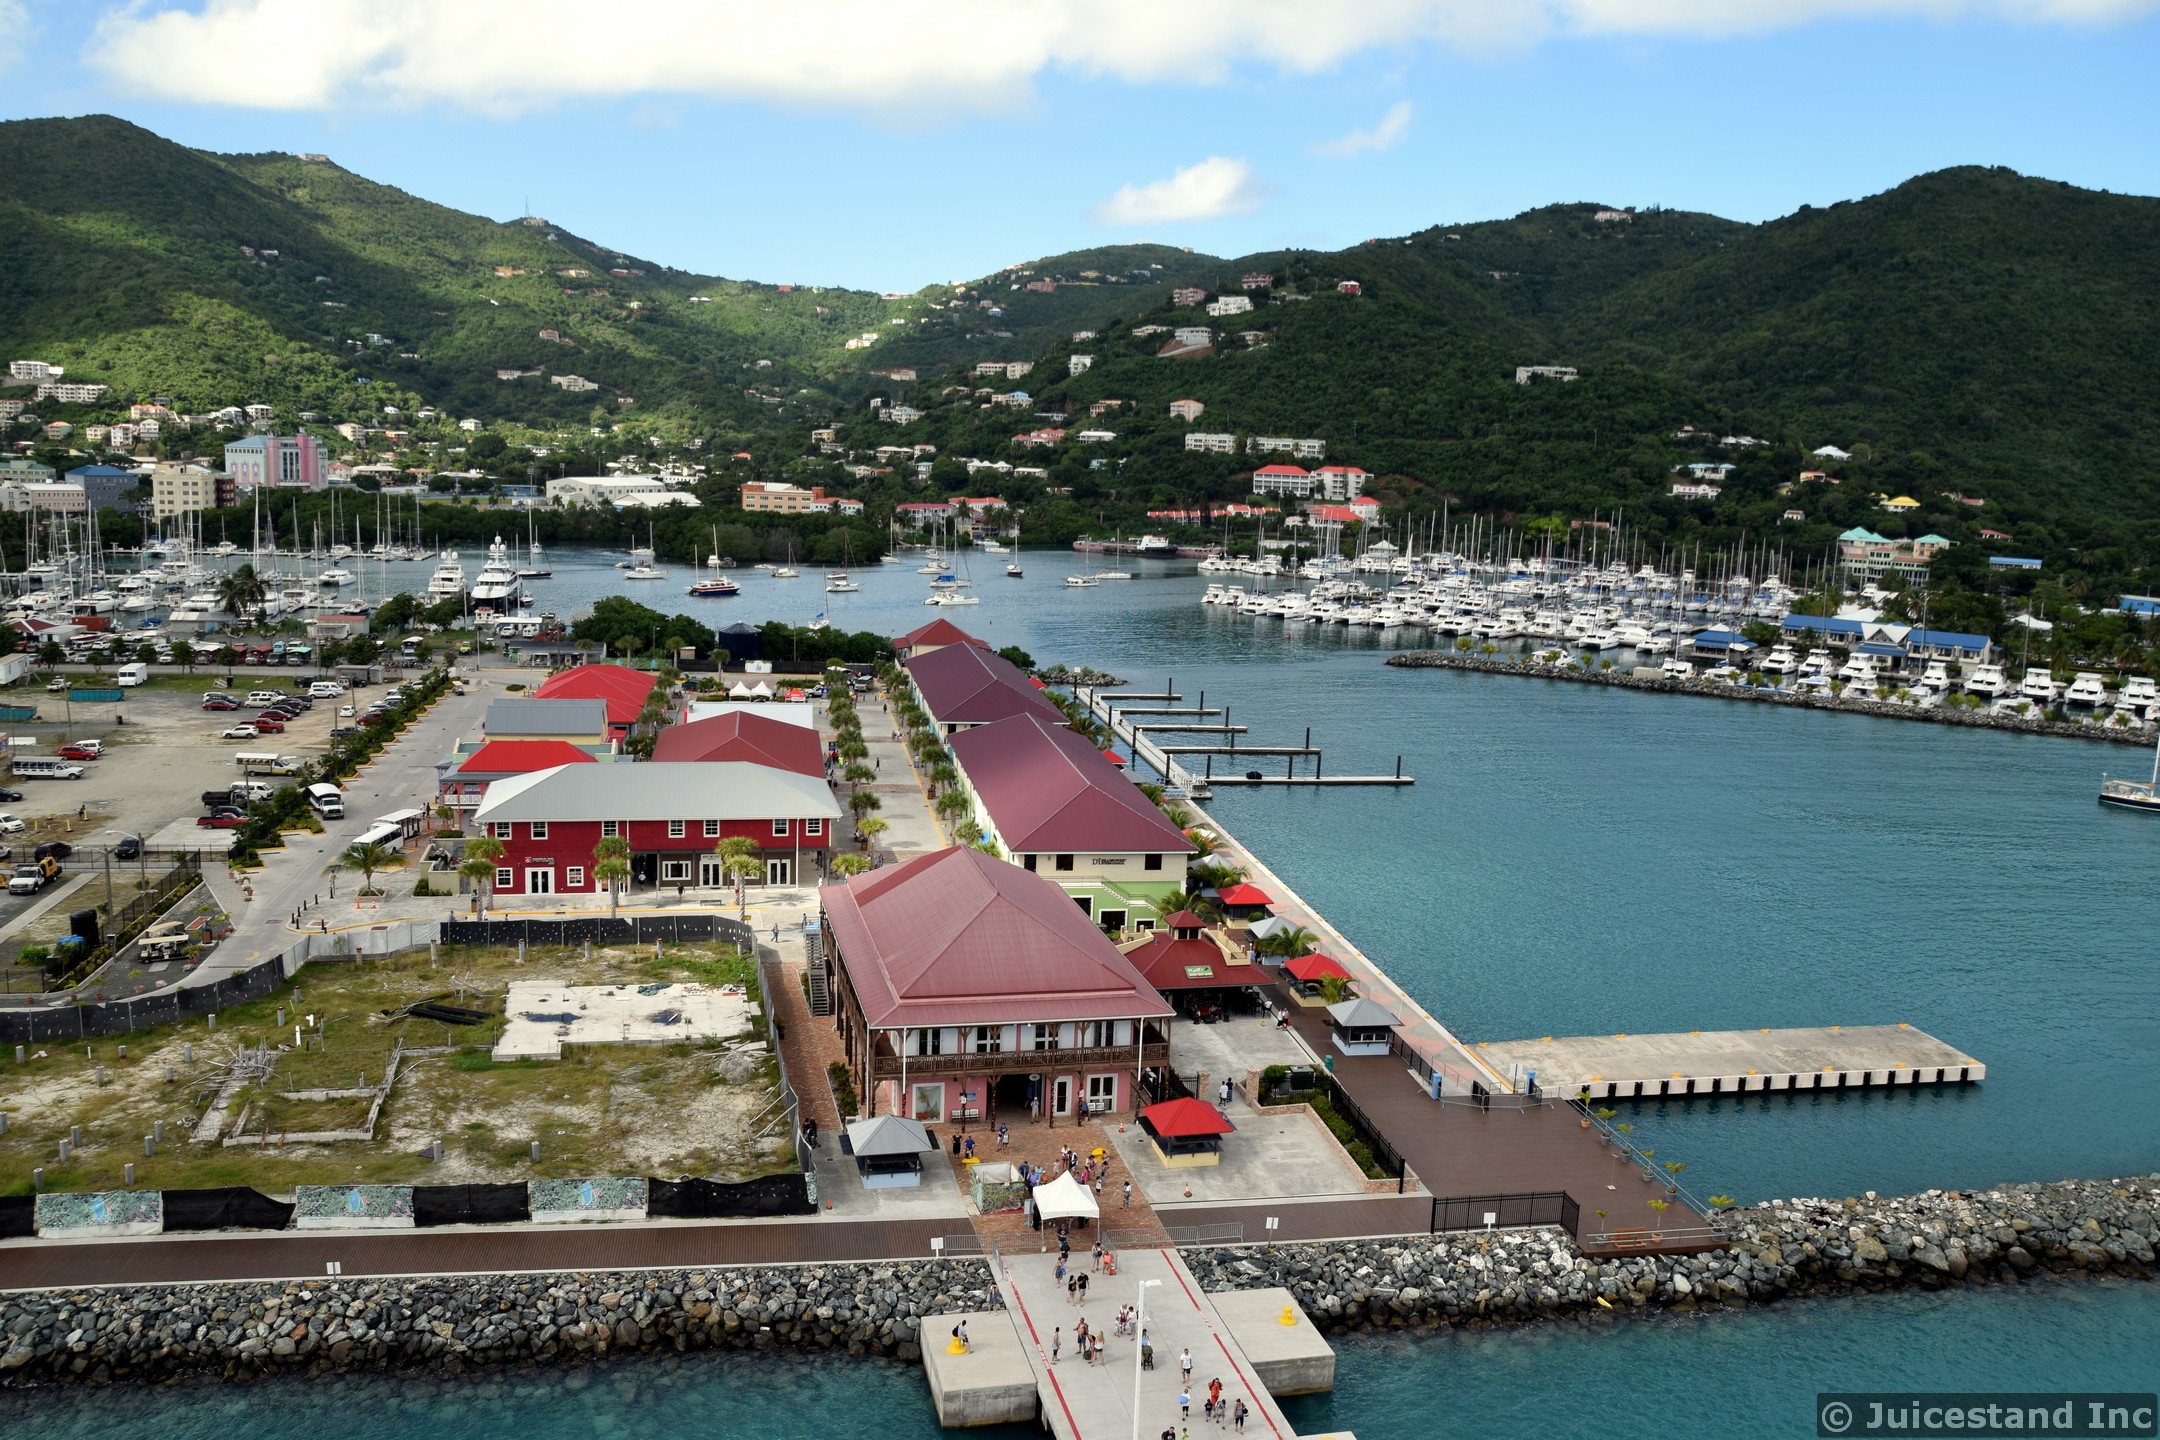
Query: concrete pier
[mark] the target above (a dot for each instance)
(1735, 1062)
(1290, 1359)
(992, 1384)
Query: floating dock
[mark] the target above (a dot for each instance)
(1112, 707)
(1734, 1062)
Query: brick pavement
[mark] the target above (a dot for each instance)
(1040, 1144)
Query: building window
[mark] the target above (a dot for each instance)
(1027, 862)
(609, 829)
(505, 878)
(814, 827)
(539, 829)
(675, 830)
(502, 829)
(712, 829)
(779, 828)
(1046, 1037)
(674, 870)
(1151, 862)
(930, 1042)
(989, 1039)
(574, 877)
(1064, 862)
(1101, 1094)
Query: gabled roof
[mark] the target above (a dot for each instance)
(624, 690)
(546, 717)
(888, 1135)
(717, 791)
(751, 738)
(1182, 1118)
(522, 757)
(967, 685)
(956, 937)
(938, 632)
(1048, 789)
(1243, 893)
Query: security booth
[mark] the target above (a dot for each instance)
(1361, 1027)
(888, 1150)
(1186, 1132)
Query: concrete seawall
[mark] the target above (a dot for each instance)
(2136, 735)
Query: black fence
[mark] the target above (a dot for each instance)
(713, 1200)
(1504, 1212)
(470, 1204)
(18, 1217)
(599, 929)
(233, 1208)
(37, 1024)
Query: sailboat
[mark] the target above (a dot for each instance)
(2135, 794)
(534, 570)
(1085, 580)
(839, 582)
(714, 586)
(1012, 566)
(1114, 573)
(787, 571)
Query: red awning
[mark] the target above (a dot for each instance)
(1113, 757)
(1312, 969)
(1243, 894)
(1183, 1119)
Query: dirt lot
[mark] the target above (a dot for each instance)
(602, 1110)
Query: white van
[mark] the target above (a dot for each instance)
(42, 767)
(256, 763)
(134, 674)
(326, 801)
(264, 697)
(325, 690)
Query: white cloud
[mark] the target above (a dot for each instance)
(504, 56)
(1384, 136)
(15, 31)
(1215, 187)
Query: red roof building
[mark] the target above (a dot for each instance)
(744, 736)
(960, 686)
(623, 689)
(938, 633)
(1243, 893)
(957, 975)
(1180, 956)
(1041, 788)
(467, 784)
(1313, 969)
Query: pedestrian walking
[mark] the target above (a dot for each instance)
(1184, 1365)
(1237, 1417)
(1098, 1192)
(1057, 1338)
(1214, 1396)
(1061, 1270)
(1004, 1136)
(1083, 1287)
(1184, 1404)
(776, 932)
(1128, 1193)
(1095, 1258)
(1223, 1094)
(1072, 1289)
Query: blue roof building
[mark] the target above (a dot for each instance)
(2146, 605)
(2012, 562)
(1828, 627)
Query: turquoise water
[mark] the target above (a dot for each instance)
(1572, 860)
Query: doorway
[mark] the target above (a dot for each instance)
(1061, 1095)
(779, 872)
(711, 874)
(539, 882)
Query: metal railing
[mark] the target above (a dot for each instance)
(1662, 1238)
(1506, 1212)
(1624, 1150)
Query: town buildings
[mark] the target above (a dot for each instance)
(462, 780)
(778, 497)
(1186, 410)
(1210, 443)
(1524, 374)
(962, 686)
(623, 691)
(264, 461)
(746, 735)
(619, 491)
(967, 987)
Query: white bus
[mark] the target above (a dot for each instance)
(256, 762)
(389, 836)
(326, 801)
(46, 767)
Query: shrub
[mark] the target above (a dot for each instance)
(843, 1088)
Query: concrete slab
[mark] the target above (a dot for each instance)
(1729, 1062)
(939, 1197)
(993, 1384)
(1290, 1359)
(543, 1016)
(1283, 1156)
(1234, 1047)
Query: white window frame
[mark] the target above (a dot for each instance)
(610, 829)
(574, 877)
(814, 826)
(502, 829)
(677, 829)
(675, 872)
(539, 829)
(712, 829)
(780, 829)
(505, 878)
(1102, 1093)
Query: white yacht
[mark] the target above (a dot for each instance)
(448, 581)
(336, 576)
(644, 570)
(786, 572)
(1081, 582)
(1860, 670)
(497, 586)
(2139, 691)
(1113, 575)
(2087, 689)
(1936, 677)
(839, 582)
(1780, 661)
(2040, 686)
(1986, 680)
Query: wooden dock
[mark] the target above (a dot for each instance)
(1735, 1062)
(1220, 780)
(1231, 747)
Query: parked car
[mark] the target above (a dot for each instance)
(11, 797)
(95, 747)
(266, 725)
(27, 880)
(129, 847)
(239, 732)
(53, 850)
(341, 731)
(346, 712)
(57, 684)
(11, 824)
(218, 702)
(77, 752)
(226, 819)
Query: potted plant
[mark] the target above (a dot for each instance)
(1582, 1105)
(1648, 1173)
(1659, 1207)
(1673, 1169)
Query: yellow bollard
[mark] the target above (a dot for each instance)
(954, 1347)
(1289, 1315)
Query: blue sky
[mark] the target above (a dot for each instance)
(887, 145)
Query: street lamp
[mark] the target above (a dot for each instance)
(1139, 1351)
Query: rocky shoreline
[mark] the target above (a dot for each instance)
(1710, 690)
(447, 1325)
(1780, 1249)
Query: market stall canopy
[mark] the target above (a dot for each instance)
(1183, 1119)
(1065, 1199)
(1244, 894)
(887, 1135)
(1312, 969)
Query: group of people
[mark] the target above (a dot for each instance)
(1228, 1414)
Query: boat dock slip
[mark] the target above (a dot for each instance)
(1733, 1062)
(1079, 1401)
(1129, 711)
(1195, 729)
(1232, 748)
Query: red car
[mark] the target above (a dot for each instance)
(77, 752)
(223, 820)
(219, 703)
(269, 724)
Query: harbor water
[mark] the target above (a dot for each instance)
(1572, 860)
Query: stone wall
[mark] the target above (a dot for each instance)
(1782, 1248)
(449, 1324)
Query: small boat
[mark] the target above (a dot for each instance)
(2134, 794)
(718, 585)
(786, 572)
(1113, 575)
(1013, 570)
(841, 585)
(644, 571)
(1082, 582)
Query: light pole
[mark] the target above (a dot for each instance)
(1139, 1352)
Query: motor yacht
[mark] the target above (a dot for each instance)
(1986, 680)
(1936, 677)
(497, 586)
(2039, 687)
(644, 570)
(448, 581)
(713, 588)
(1780, 661)
(1859, 670)
(2087, 689)
(336, 576)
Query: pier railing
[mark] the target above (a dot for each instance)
(1181, 1236)
(1506, 1212)
(1624, 1148)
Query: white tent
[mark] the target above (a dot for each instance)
(1261, 929)
(1065, 1199)
(738, 691)
(762, 690)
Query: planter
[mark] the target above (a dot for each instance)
(1648, 1178)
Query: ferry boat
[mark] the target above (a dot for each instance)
(448, 580)
(713, 588)
(2135, 794)
(497, 586)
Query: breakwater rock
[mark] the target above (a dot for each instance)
(1780, 1248)
(1850, 703)
(453, 1323)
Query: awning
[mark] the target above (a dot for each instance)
(1244, 894)
(1184, 1119)
(1361, 1014)
(888, 1135)
(1312, 969)
(1065, 1199)
(1113, 757)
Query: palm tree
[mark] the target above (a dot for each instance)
(242, 591)
(1213, 874)
(870, 829)
(1291, 943)
(847, 862)
(367, 859)
(862, 802)
(611, 862)
(952, 804)
(858, 773)
(482, 854)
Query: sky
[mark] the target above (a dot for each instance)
(890, 145)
